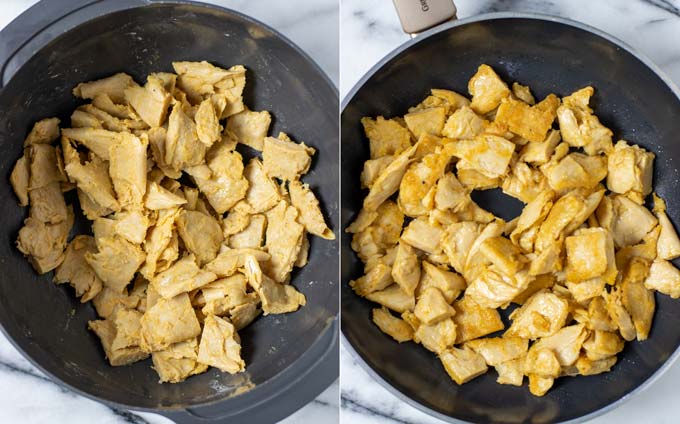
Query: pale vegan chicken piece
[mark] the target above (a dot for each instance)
(115, 261)
(76, 271)
(220, 346)
(385, 136)
(487, 90)
(302, 197)
(283, 240)
(44, 131)
(222, 295)
(98, 141)
(19, 179)
(285, 159)
(47, 204)
(93, 180)
(44, 243)
(462, 365)
(395, 327)
(43, 166)
(182, 277)
(107, 301)
(182, 146)
(157, 240)
(668, 244)
(222, 189)
(127, 167)
(113, 86)
(201, 234)
(426, 121)
(178, 362)
(150, 102)
(276, 298)
(106, 331)
(250, 128)
(262, 193)
(167, 322)
(208, 127)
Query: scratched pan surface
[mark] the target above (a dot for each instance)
(48, 323)
(551, 56)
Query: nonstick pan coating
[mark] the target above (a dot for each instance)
(48, 323)
(551, 56)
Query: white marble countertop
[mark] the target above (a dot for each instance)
(31, 398)
(370, 30)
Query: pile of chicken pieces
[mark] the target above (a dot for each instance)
(189, 245)
(581, 261)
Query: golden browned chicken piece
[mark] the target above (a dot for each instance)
(426, 121)
(487, 90)
(150, 102)
(386, 136)
(302, 197)
(201, 234)
(393, 326)
(462, 365)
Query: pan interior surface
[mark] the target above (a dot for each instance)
(46, 321)
(550, 57)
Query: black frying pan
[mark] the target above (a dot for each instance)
(551, 55)
(57, 44)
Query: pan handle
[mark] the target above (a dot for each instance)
(417, 16)
(44, 21)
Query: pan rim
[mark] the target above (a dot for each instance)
(443, 28)
(284, 381)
